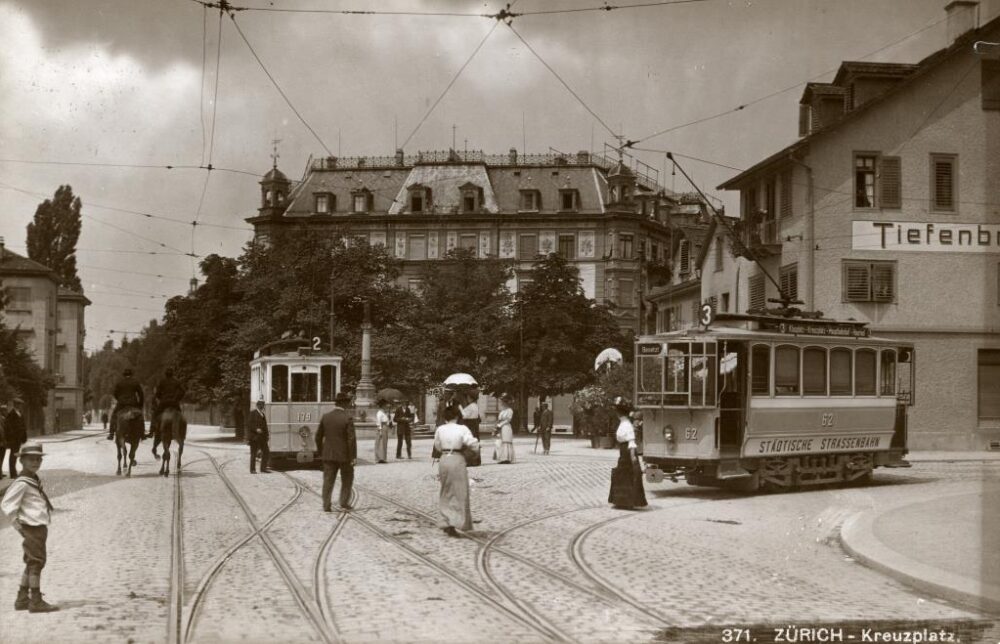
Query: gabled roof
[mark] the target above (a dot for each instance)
(821, 89)
(66, 295)
(915, 73)
(850, 68)
(11, 262)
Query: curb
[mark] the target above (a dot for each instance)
(857, 537)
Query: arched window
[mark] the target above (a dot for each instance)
(841, 382)
(864, 372)
(814, 371)
(786, 371)
(761, 378)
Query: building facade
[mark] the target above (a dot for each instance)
(887, 210)
(50, 321)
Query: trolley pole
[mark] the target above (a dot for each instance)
(333, 293)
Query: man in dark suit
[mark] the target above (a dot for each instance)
(338, 447)
(258, 437)
(403, 418)
(545, 426)
(15, 434)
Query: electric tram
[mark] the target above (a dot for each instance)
(298, 385)
(772, 401)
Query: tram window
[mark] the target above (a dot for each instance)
(814, 371)
(703, 370)
(650, 389)
(678, 371)
(304, 387)
(279, 383)
(327, 382)
(864, 372)
(887, 373)
(761, 382)
(786, 371)
(840, 372)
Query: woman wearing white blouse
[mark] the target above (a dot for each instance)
(626, 479)
(505, 449)
(382, 431)
(453, 500)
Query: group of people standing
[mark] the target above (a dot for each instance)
(402, 419)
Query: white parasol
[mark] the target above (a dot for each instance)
(460, 379)
(608, 355)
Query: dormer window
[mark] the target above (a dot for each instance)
(472, 197)
(362, 200)
(325, 203)
(569, 200)
(420, 198)
(531, 200)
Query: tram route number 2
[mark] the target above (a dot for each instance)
(304, 416)
(826, 420)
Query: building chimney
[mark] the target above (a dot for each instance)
(513, 156)
(331, 162)
(399, 156)
(583, 157)
(192, 286)
(963, 16)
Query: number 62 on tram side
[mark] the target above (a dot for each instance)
(298, 385)
(762, 401)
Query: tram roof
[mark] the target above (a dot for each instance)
(770, 327)
(291, 348)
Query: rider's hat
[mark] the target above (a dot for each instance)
(31, 449)
(260, 402)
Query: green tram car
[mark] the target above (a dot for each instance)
(766, 401)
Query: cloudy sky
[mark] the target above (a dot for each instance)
(125, 82)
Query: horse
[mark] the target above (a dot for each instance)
(173, 426)
(129, 428)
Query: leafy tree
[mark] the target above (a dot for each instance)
(559, 331)
(459, 321)
(53, 234)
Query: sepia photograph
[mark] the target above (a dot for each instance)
(475, 321)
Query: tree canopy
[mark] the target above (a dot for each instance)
(53, 234)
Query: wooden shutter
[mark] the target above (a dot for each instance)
(944, 183)
(685, 255)
(991, 84)
(757, 292)
(790, 282)
(883, 282)
(804, 110)
(890, 183)
(857, 282)
(786, 194)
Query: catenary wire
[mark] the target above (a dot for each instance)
(215, 97)
(145, 166)
(605, 7)
(204, 65)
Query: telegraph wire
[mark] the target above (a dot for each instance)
(232, 17)
(605, 7)
(743, 106)
(564, 83)
(131, 165)
(452, 82)
(90, 267)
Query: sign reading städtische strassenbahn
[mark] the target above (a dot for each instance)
(936, 237)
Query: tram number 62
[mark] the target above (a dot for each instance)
(826, 420)
(691, 433)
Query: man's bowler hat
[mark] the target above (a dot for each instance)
(260, 402)
(342, 399)
(31, 449)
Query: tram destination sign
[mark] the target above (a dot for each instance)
(820, 443)
(650, 348)
(817, 328)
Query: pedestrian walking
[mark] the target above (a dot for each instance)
(338, 447)
(403, 417)
(505, 432)
(30, 512)
(450, 440)
(258, 437)
(382, 430)
(470, 418)
(545, 427)
(626, 479)
(15, 434)
(104, 419)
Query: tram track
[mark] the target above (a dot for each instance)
(308, 605)
(539, 627)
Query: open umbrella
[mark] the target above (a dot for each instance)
(608, 355)
(460, 379)
(389, 394)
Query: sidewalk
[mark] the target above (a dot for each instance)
(933, 544)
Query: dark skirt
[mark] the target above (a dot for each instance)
(626, 482)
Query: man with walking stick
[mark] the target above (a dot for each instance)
(544, 428)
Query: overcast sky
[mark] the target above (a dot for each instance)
(122, 82)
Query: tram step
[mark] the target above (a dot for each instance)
(732, 470)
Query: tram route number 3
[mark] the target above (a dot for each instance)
(826, 420)
(304, 416)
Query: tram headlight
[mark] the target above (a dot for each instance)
(668, 433)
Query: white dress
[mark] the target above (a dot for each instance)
(505, 450)
(453, 499)
(381, 436)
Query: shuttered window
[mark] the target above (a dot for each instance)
(790, 281)
(869, 281)
(991, 84)
(989, 384)
(890, 183)
(786, 194)
(804, 110)
(685, 255)
(943, 182)
(757, 292)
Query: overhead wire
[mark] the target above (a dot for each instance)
(605, 7)
(145, 166)
(204, 65)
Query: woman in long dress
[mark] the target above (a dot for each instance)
(453, 501)
(382, 431)
(505, 450)
(626, 479)
(469, 411)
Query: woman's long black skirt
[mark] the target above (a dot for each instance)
(626, 482)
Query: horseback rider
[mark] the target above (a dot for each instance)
(167, 395)
(128, 395)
